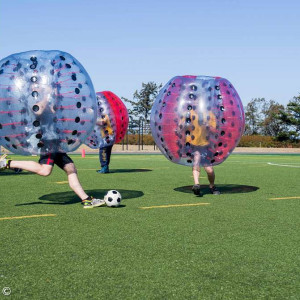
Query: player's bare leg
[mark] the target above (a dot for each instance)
(75, 185)
(73, 180)
(31, 166)
(211, 178)
(196, 174)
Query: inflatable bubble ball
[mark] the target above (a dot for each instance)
(47, 102)
(197, 120)
(112, 121)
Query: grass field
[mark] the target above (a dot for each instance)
(163, 242)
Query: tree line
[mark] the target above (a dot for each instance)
(269, 118)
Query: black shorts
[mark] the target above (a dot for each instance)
(60, 159)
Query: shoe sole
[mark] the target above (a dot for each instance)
(99, 204)
(3, 157)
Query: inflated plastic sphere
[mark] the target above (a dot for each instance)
(47, 102)
(197, 120)
(113, 117)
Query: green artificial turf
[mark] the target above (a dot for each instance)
(239, 245)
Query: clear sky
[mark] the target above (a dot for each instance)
(255, 44)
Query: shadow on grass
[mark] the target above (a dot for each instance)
(70, 197)
(128, 170)
(12, 172)
(223, 188)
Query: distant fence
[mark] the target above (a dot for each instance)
(138, 133)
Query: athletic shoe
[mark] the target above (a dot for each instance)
(103, 170)
(214, 191)
(87, 203)
(196, 190)
(98, 202)
(3, 162)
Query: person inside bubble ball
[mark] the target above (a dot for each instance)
(107, 135)
(44, 167)
(199, 142)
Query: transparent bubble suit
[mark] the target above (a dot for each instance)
(197, 120)
(112, 106)
(47, 102)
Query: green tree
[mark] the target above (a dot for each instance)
(291, 118)
(253, 116)
(143, 100)
(266, 118)
(271, 124)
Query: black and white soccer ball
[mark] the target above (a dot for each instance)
(113, 198)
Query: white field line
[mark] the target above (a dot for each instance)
(283, 165)
(246, 162)
(289, 165)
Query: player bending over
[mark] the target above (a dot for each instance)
(44, 168)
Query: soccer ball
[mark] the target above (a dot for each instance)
(113, 198)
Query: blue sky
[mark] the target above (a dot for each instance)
(255, 44)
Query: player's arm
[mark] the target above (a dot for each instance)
(99, 121)
(40, 106)
(102, 120)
